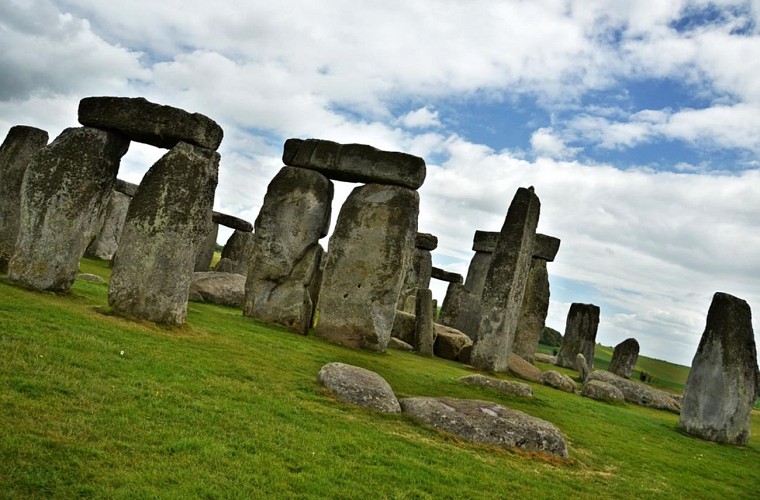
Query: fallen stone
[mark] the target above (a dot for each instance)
(358, 386)
(449, 342)
(545, 358)
(522, 369)
(232, 222)
(227, 289)
(440, 274)
(558, 380)
(399, 345)
(91, 278)
(624, 358)
(488, 423)
(638, 393)
(602, 391)
(505, 386)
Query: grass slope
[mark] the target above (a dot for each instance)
(94, 405)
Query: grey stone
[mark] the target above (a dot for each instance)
(232, 222)
(638, 393)
(449, 342)
(404, 327)
(205, 252)
(485, 241)
(399, 345)
(355, 162)
(236, 253)
(624, 358)
(150, 123)
(91, 278)
(440, 274)
(582, 367)
(602, 391)
(19, 146)
(167, 220)
(106, 240)
(580, 335)
(285, 255)
(370, 250)
(125, 187)
(523, 369)
(424, 336)
(227, 289)
(504, 386)
(359, 386)
(504, 287)
(722, 386)
(488, 423)
(417, 276)
(533, 311)
(558, 380)
(545, 358)
(426, 241)
(66, 186)
(545, 247)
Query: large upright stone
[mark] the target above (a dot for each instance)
(148, 122)
(355, 162)
(66, 186)
(167, 220)
(419, 273)
(205, 251)
(15, 153)
(236, 253)
(106, 236)
(580, 335)
(722, 386)
(370, 250)
(424, 332)
(504, 287)
(533, 311)
(286, 254)
(624, 358)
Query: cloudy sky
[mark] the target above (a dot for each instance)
(638, 122)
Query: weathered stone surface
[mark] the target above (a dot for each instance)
(723, 382)
(417, 276)
(227, 289)
(151, 123)
(505, 386)
(638, 393)
(404, 327)
(449, 342)
(488, 423)
(206, 250)
(15, 153)
(232, 222)
(545, 247)
(91, 278)
(440, 274)
(167, 220)
(358, 386)
(545, 358)
(624, 358)
(426, 241)
(558, 380)
(504, 287)
(370, 250)
(460, 309)
(424, 335)
(106, 240)
(236, 253)
(355, 162)
(285, 255)
(580, 335)
(535, 307)
(399, 345)
(485, 241)
(66, 186)
(125, 187)
(602, 391)
(522, 369)
(582, 367)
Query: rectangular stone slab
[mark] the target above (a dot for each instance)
(232, 222)
(426, 241)
(484, 241)
(442, 275)
(545, 247)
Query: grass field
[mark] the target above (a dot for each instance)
(93, 405)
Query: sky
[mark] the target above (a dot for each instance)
(637, 123)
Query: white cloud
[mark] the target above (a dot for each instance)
(545, 143)
(420, 118)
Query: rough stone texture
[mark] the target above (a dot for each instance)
(449, 342)
(488, 423)
(399, 345)
(558, 380)
(205, 253)
(92, 278)
(219, 288)
(464, 354)
(440, 274)
(125, 187)
(404, 327)
(638, 393)
(355, 162)
(417, 277)
(15, 153)
(358, 386)
(545, 358)
(504, 287)
(580, 335)
(106, 240)
(624, 358)
(522, 369)
(424, 335)
(426, 241)
(505, 386)
(232, 222)
(582, 367)
(545, 247)
(535, 307)
(144, 121)
(167, 220)
(602, 391)
(722, 386)
(66, 186)
(285, 255)
(485, 241)
(236, 253)
(370, 250)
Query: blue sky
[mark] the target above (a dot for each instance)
(637, 122)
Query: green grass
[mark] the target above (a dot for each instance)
(228, 406)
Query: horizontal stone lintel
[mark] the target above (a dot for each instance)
(442, 275)
(125, 187)
(232, 222)
(426, 241)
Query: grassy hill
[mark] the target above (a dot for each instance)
(95, 405)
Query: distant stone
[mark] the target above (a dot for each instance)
(355, 385)
(504, 386)
(227, 289)
(150, 123)
(461, 309)
(624, 358)
(424, 336)
(580, 335)
(638, 393)
(426, 241)
(488, 423)
(722, 386)
(232, 222)
(399, 345)
(449, 342)
(545, 247)
(206, 249)
(236, 253)
(582, 367)
(125, 187)
(558, 380)
(522, 369)
(440, 274)
(533, 312)
(545, 358)
(485, 241)
(92, 278)
(355, 162)
(602, 391)
(404, 327)
(417, 277)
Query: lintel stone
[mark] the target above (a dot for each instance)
(426, 241)
(232, 222)
(442, 275)
(485, 241)
(545, 247)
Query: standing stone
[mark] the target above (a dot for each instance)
(505, 284)
(286, 254)
(722, 386)
(582, 367)
(580, 335)
(66, 186)
(206, 249)
(236, 253)
(418, 274)
(15, 154)
(106, 239)
(370, 250)
(624, 358)
(424, 336)
(167, 220)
